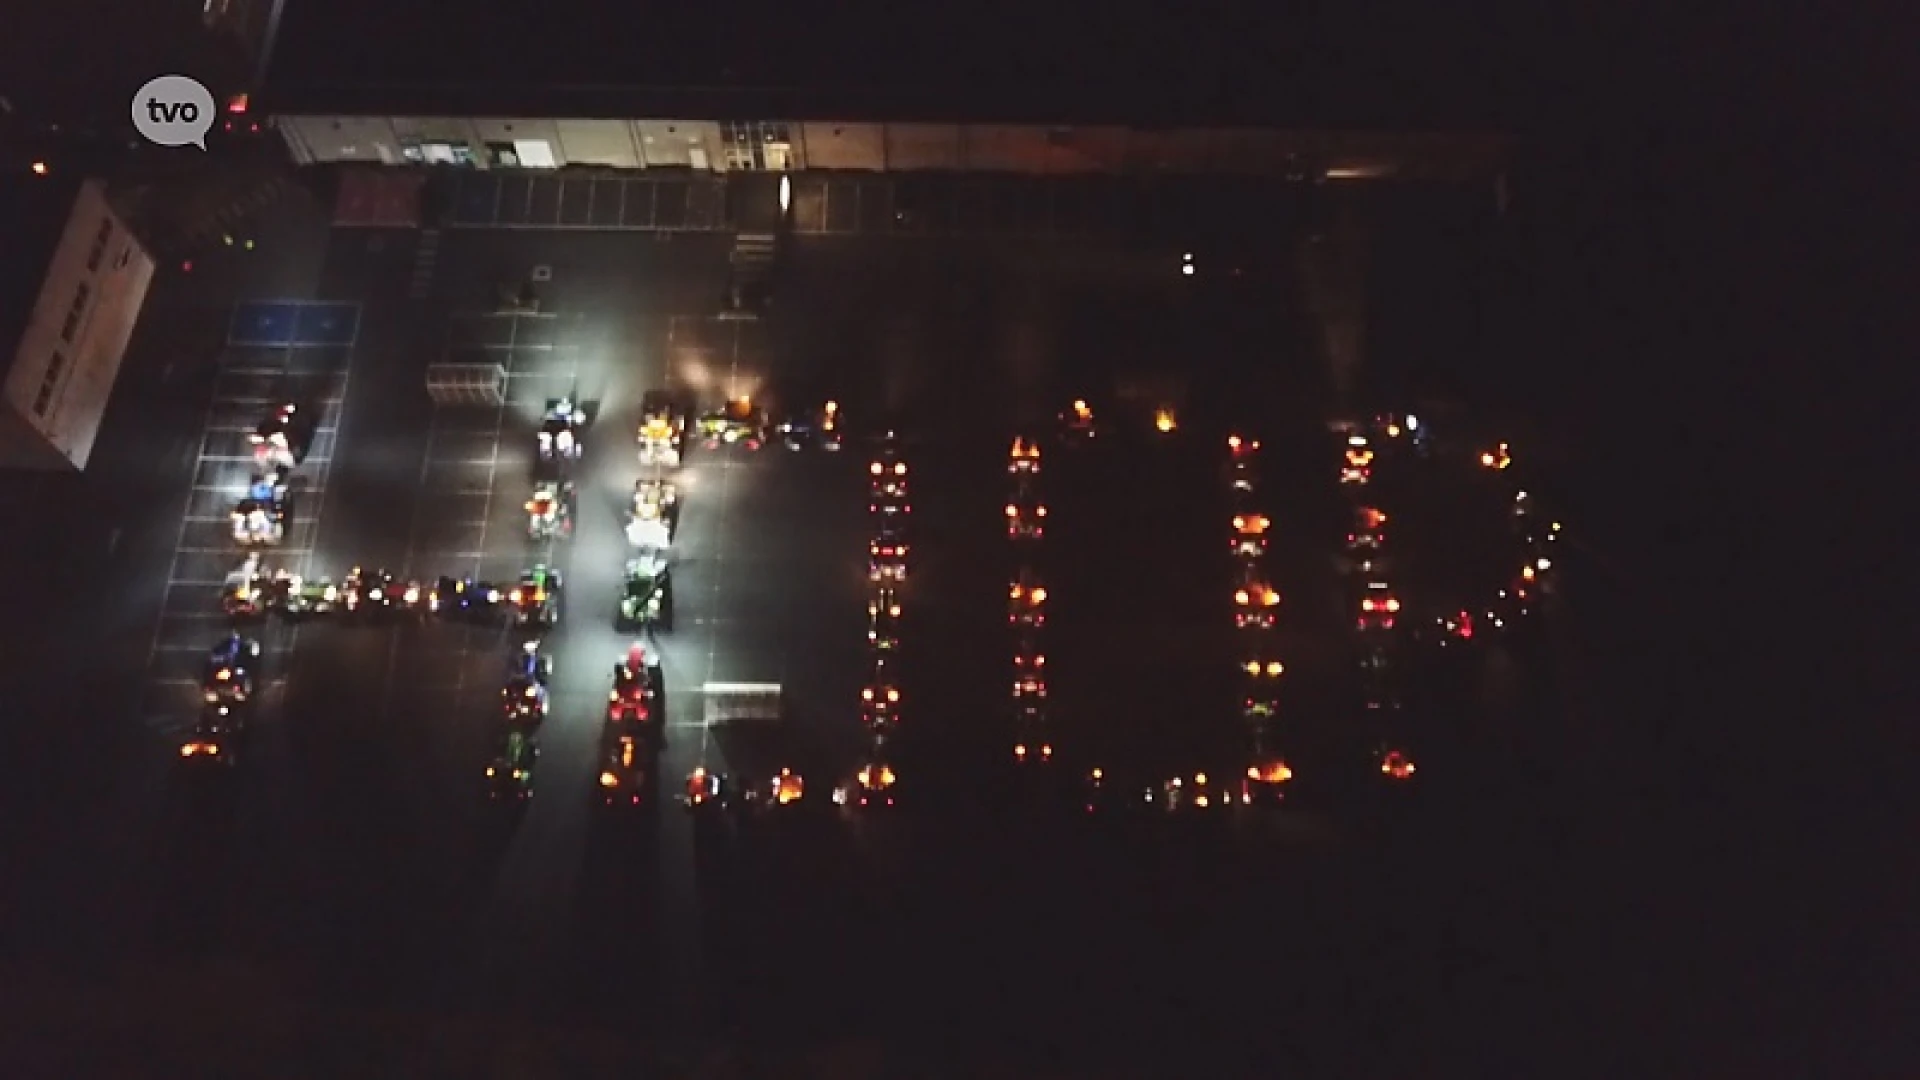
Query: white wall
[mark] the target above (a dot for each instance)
(870, 147)
(671, 143)
(116, 291)
(611, 143)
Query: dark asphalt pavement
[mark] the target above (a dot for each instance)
(353, 864)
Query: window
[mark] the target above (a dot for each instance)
(76, 313)
(49, 383)
(100, 245)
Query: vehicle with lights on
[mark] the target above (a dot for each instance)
(524, 697)
(296, 596)
(739, 421)
(880, 698)
(1407, 427)
(813, 429)
(282, 439)
(626, 768)
(638, 696)
(880, 702)
(1239, 447)
(261, 516)
(1250, 535)
(1254, 603)
(1369, 530)
(706, 791)
(1262, 673)
(1166, 420)
(1198, 792)
(883, 620)
(1028, 660)
(1367, 542)
(1243, 475)
(1526, 525)
(1027, 602)
(890, 529)
(1101, 794)
(550, 511)
(536, 599)
(1395, 764)
(560, 431)
(1029, 676)
(656, 499)
(887, 559)
(1498, 458)
(1032, 741)
(229, 674)
(1356, 469)
(1265, 782)
(890, 507)
(663, 429)
(872, 786)
(466, 598)
(1378, 607)
(887, 478)
(369, 593)
(1457, 628)
(1517, 599)
(243, 593)
(1379, 686)
(1261, 706)
(510, 773)
(787, 790)
(1077, 423)
(647, 599)
(1024, 458)
(213, 742)
(1026, 519)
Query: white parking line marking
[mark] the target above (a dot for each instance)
(505, 348)
(181, 537)
(540, 375)
(460, 463)
(239, 553)
(204, 616)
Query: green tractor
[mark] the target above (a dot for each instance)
(647, 600)
(510, 774)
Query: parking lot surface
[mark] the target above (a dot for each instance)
(355, 855)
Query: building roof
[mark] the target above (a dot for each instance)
(1214, 64)
(33, 215)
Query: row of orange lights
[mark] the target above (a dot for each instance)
(1250, 544)
(1027, 602)
(1394, 764)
